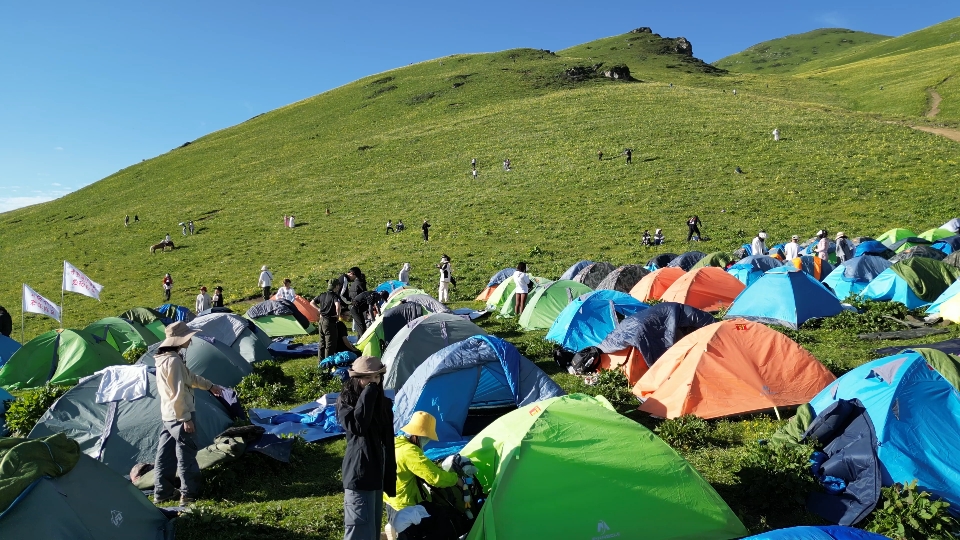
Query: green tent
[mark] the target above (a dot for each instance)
(58, 357)
(149, 318)
(122, 334)
(547, 301)
(571, 467)
(223, 366)
(717, 258)
(398, 295)
(502, 294)
(70, 496)
(280, 326)
(926, 277)
(895, 235)
(935, 234)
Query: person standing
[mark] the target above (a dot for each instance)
(328, 305)
(475, 174)
(364, 307)
(757, 246)
(167, 287)
(217, 300)
(390, 227)
(522, 289)
(776, 134)
(167, 240)
(694, 224)
(446, 271)
(136, 218)
(203, 301)
(184, 225)
(177, 447)
(823, 245)
(599, 155)
(792, 249)
(404, 276)
(126, 220)
(369, 463)
(286, 292)
(473, 163)
(426, 230)
(266, 279)
(190, 226)
(844, 248)
(629, 153)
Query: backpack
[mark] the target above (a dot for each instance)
(585, 361)
(562, 357)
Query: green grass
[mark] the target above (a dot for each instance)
(791, 54)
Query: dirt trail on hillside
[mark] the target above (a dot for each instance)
(935, 100)
(952, 134)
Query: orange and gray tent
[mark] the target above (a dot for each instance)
(495, 280)
(303, 305)
(708, 288)
(623, 279)
(730, 368)
(653, 285)
(592, 275)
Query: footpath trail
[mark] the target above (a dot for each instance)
(950, 133)
(935, 100)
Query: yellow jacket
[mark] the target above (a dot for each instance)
(412, 463)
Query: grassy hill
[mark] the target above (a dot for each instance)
(791, 54)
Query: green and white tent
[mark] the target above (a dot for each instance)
(122, 334)
(280, 326)
(571, 467)
(503, 299)
(547, 301)
(58, 357)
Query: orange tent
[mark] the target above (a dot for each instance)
(485, 294)
(653, 285)
(708, 288)
(629, 361)
(729, 368)
(304, 307)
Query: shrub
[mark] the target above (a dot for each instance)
(776, 479)
(22, 414)
(906, 514)
(871, 319)
(612, 384)
(267, 386)
(684, 433)
(310, 383)
(134, 354)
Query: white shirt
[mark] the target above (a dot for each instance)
(404, 276)
(791, 251)
(287, 293)
(823, 248)
(203, 302)
(757, 247)
(523, 281)
(449, 268)
(266, 278)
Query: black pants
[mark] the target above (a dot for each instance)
(327, 338)
(166, 294)
(266, 292)
(426, 236)
(693, 230)
(359, 314)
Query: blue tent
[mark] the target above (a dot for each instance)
(586, 321)
(177, 313)
(7, 348)
(569, 274)
(687, 260)
(872, 247)
(786, 299)
(390, 286)
(812, 247)
(854, 275)
(890, 287)
(462, 381)
(913, 412)
(934, 308)
(806, 264)
(652, 331)
(834, 532)
(4, 396)
(947, 245)
(749, 269)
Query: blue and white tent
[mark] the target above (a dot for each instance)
(947, 245)
(852, 276)
(458, 383)
(569, 274)
(872, 247)
(390, 286)
(586, 321)
(934, 308)
(749, 269)
(787, 299)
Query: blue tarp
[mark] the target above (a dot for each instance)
(478, 372)
(872, 247)
(786, 299)
(854, 275)
(587, 320)
(817, 533)
(687, 260)
(177, 313)
(285, 348)
(507, 273)
(749, 269)
(389, 286)
(311, 421)
(916, 418)
(7, 348)
(653, 331)
(951, 291)
(890, 287)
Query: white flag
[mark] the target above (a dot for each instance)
(34, 303)
(76, 281)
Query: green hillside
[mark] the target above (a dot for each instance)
(794, 53)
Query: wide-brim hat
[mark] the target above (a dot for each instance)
(367, 365)
(264, 268)
(178, 334)
(422, 424)
(841, 235)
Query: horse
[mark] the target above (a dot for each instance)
(162, 246)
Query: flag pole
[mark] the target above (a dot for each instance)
(61, 305)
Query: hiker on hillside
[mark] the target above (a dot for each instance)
(693, 223)
(629, 153)
(475, 174)
(203, 301)
(177, 447)
(823, 245)
(426, 230)
(473, 163)
(506, 164)
(400, 225)
(328, 305)
(599, 155)
(136, 218)
(757, 246)
(522, 289)
(184, 225)
(415, 468)
(217, 300)
(776, 134)
(844, 248)
(369, 462)
(286, 292)
(190, 226)
(792, 249)
(167, 287)
(126, 220)
(389, 227)
(658, 238)
(404, 276)
(446, 276)
(266, 279)
(646, 238)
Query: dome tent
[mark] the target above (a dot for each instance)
(914, 282)
(57, 357)
(575, 269)
(815, 266)
(176, 313)
(477, 374)
(623, 279)
(750, 269)
(653, 285)
(588, 319)
(390, 286)
(222, 366)
(944, 297)
(852, 276)
(495, 280)
(121, 334)
(788, 299)
(660, 261)
(580, 451)
(279, 318)
(935, 234)
(947, 245)
(417, 341)
(235, 334)
(149, 318)
(708, 288)
(893, 236)
(687, 260)
(834, 532)
(303, 306)
(719, 259)
(592, 275)
(382, 331)
(547, 301)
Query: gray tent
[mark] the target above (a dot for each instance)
(624, 278)
(430, 303)
(222, 365)
(418, 340)
(234, 333)
(592, 275)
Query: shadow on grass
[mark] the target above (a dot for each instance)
(211, 523)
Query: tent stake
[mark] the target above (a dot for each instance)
(777, 412)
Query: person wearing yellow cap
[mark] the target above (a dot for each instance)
(413, 464)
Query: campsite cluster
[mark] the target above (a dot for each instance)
(693, 334)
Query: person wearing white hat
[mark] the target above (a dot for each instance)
(823, 244)
(844, 248)
(757, 246)
(266, 280)
(446, 273)
(792, 248)
(177, 447)
(369, 463)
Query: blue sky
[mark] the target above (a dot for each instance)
(87, 89)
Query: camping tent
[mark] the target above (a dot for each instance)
(587, 320)
(643, 337)
(687, 260)
(787, 299)
(953, 225)
(390, 286)
(57, 357)
(495, 280)
(547, 301)
(919, 251)
(815, 266)
(729, 368)
(175, 312)
(852, 276)
(222, 366)
(935, 234)
(893, 236)
(750, 269)
(914, 282)
(660, 261)
(872, 247)
(654, 284)
(279, 318)
(430, 303)
(502, 298)
(592, 275)
(381, 332)
(572, 272)
(571, 467)
(122, 334)
(467, 385)
(8, 346)
(303, 306)
(239, 335)
(149, 318)
(719, 259)
(945, 296)
(708, 288)
(73, 497)
(623, 279)
(947, 245)
(908, 243)
(418, 340)
(834, 532)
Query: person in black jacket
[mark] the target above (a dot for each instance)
(364, 306)
(369, 463)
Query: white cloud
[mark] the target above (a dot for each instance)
(833, 19)
(12, 203)
(56, 184)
